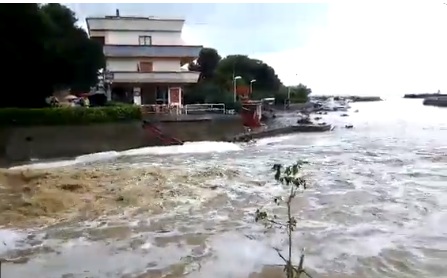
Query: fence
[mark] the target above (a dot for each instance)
(218, 108)
(159, 109)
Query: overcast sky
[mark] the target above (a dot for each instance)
(362, 47)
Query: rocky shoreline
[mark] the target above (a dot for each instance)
(424, 95)
(349, 98)
(436, 101)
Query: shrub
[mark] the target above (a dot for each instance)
(289, 176)
(68, 115)
(236, 106)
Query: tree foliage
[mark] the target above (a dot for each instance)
(207, 63)
(44, 51)
(299, 93)
(216, 79)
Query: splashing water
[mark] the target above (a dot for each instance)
(376, 206)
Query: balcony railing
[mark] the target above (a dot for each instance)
(189, 109)
(156, 77)
(151, 51)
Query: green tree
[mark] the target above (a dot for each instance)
(69, 48)
(44, 50)
(216, 79)
(249, 69)
(23, 55)
(207, 63)
(299, 93)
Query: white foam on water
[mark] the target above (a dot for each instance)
(87, 158)
(97, 156)
(44, 165)
(9, 240)
(188, 147)
(270, 140)
(234, 255)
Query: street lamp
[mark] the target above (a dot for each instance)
(234, 86)
(251, 85)
(107, 80)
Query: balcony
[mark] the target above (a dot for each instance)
(162, 51)
(156, 77)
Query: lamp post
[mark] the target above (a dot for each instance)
(235, 87)
(107, 78)
(251, 85)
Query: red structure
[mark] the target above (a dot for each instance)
(251, 113)
(163, 138)
(251, 110)
(243, 91)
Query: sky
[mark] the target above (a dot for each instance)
(340, 47)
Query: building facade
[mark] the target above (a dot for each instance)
(144, 56)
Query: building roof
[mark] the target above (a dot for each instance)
(140, 19)
(114, 17)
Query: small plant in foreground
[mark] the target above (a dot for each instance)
(288, 176)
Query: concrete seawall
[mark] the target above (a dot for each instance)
(20, 144)
(44, 142)
(436, 101)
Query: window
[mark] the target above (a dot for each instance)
(100, 39)
(145, 40)
(161, 95)
(145, 67)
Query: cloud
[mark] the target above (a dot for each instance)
(371, 48)
(361, 47)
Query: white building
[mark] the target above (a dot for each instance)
(145, 55)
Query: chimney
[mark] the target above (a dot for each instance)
(117, 13)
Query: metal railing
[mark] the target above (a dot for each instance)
(205, 108)
(217, 108)
(160, 109)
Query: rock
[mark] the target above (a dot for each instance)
(344, 115)
(365, 98)
(317, 118)
(436, 101)
(304, 122)
(349, 126)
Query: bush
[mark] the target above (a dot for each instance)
(236, 106)
(68, 115)
(289, 176)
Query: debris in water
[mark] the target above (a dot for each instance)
(45, 197)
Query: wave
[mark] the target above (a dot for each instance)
(188, 147)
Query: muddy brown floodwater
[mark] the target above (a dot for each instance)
(376, 205)
(42, 197)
